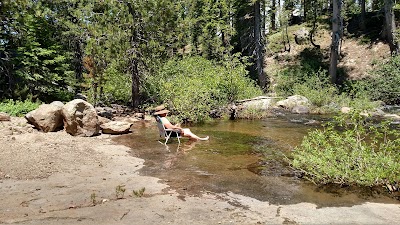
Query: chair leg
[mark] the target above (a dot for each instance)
(167, 138)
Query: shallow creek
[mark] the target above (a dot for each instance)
(244, 157)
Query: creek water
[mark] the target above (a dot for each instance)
(244, 157)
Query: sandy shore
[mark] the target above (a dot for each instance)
(54, 178)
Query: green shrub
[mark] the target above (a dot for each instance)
(252, 112)
(18, 108)
(193, 86)
(350, 151)
(317, 88)
(117, 86)
(384, 84)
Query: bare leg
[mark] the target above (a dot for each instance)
(188, 133)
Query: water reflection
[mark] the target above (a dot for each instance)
(244, 157)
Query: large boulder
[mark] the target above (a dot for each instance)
(300, 109)
(116, 127)
(301, 36)
(260, 102)
(80, 118)
(292, 101)
(46, 118)
(4, 116)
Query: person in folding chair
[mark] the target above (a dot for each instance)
(174, 130)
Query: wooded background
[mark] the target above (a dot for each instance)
(109, 49)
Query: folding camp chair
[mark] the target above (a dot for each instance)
(167, 133)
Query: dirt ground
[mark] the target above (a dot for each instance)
(55, 178)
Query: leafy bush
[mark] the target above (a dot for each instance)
(117, 86)
(193, 86)
(351, 150)
(18, 108)
(384, 85)
(317, 87)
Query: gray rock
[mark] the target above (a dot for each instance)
(116, 127)
(46, 118)
(80, 118)
(300, 109)
(260, 102)
(292, 101)
(301, 36)
(313, 122)
(106, 112)
(103, 120)
(57, 103)
(345, 110)
(81, 96)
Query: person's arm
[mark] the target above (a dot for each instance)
(169, 125)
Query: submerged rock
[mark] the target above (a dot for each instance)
(116, 127)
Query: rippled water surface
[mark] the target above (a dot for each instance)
(244, 157)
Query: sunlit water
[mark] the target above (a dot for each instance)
(244, 157)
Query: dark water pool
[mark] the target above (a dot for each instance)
(244, 157)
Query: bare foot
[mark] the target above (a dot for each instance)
(204, 139)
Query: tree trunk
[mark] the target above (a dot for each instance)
(313, 5)
(305, 10)
(390, 27)
(259, 45)
(135, 82)
(273, 14)
(362, 19)
(264, 16)
(134, 61)
(77, 63)
(336, 37)
(94, 86)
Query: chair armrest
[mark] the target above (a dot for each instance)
(174, 130)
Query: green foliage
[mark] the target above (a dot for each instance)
(93, 198)
(351, 150)
(120, 191)
(252, 112)
(384, 84)
(206, 27)
(18, 108)
(117, 87)
(317, 87)
(350, 8)
(139, 193)
(39, 62)
(193, 86)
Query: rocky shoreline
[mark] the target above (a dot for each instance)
(58, 178)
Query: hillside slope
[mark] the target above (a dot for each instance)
(357, 56)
